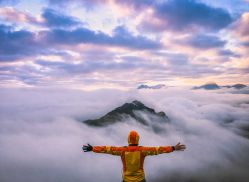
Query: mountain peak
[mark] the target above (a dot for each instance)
(239, 86)
(158, 86)
(208, 86)
(136, 102)
(135, 110)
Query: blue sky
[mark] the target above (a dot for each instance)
(120, 44)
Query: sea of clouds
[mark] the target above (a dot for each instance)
(41, 135)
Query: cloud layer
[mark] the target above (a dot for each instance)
(41, 135)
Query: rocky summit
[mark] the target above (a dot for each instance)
(135, 110)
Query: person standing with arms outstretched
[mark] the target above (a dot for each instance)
(133, 156)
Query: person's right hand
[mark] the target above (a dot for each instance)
(87, 148)
(180, 147)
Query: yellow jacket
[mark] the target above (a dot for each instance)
(133, 158)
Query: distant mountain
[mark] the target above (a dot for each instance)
(135, 110)
(236, 86)
(214, 86)
(159, 86)
(208, 86)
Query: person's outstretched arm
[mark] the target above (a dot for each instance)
(162, 149)
(103, 149)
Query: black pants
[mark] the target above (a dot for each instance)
(139, 181)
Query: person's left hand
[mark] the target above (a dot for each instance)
(180, 147)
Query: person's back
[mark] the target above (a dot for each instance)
(133, 156)
(133, 164)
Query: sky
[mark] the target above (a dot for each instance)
(120, 44)
(42, 133)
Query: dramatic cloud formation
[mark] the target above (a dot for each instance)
(180, 15)
(119, 44)
(91, 66)
(121, 37)
(15, 44)
(55, 19)
(241, 28)
(228, 53)
(42, 139)
(85, 3)
(8, 1)
(204, 41)
(12, 15)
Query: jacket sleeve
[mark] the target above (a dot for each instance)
(108, 150)
(156, 150)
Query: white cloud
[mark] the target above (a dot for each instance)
(41, 136)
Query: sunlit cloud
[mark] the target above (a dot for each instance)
(241, 27)
(70, 41)
(11, 14)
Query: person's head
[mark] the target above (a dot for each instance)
(133, 138)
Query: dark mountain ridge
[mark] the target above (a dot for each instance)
(237, 86)
(214, 86)
(135, 110)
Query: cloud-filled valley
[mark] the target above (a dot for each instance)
(42, 133)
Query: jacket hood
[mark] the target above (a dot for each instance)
(133, 138)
